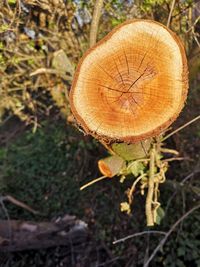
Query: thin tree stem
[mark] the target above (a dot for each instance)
(182, 127)
(130, 194)
(138, 234)
(95, 21)
(170, 13)
(149, 199)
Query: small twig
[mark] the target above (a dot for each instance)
(182, 127)
(163, 241)
(149, 199)
(19, 204)
(173, 159)
(95, 21)
(195, 38)
(93, 182)
(130, 193)
(189, 176)
(170, 13)
(182, 10)
(170, 151)
(109, 261)
(50, 71)
(138, 160)
(194, 24)
(138, 234)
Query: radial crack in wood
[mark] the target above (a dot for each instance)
(131, 85)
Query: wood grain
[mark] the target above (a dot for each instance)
(131, 85)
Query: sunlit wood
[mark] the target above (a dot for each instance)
(132, 84)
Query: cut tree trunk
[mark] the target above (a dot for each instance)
(132, 84)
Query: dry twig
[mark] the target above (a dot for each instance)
(138, 234)
(95, 21)
(182, 127)
(170, 13)
(19, 203)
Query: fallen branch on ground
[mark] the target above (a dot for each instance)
(16, 235)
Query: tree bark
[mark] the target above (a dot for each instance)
(18, 235)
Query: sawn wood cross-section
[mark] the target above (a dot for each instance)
(132, 85)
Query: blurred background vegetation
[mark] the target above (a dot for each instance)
(44, 159)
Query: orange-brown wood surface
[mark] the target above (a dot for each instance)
(132, 84)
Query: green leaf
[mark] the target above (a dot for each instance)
(132, 151)
(11, 2)
(1, 45)
(115, 22)
(160, 215)
(181, 251)
(136, 168)
(3, 153)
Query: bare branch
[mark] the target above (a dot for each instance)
(189, 176)
(50, 71)
(138, 234)
(18, 203)
(95, 21)
(170, 13)
(182, 127)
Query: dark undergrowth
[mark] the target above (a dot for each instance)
(46, 169)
